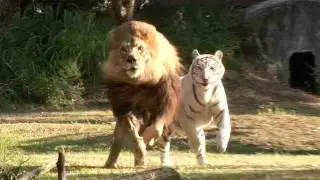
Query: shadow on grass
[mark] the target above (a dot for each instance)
(249, 175)
(81, 142)
(247, 93)
(71, 119)
(252, 108)
(87, 106)
(237, 147)
(84, 142)
(257, 175)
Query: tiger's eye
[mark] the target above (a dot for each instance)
(140, 49)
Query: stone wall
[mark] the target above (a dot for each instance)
(285, 28)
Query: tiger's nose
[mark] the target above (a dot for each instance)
(131, 60)
(205, 80)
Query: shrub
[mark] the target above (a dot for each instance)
(53, 62)
(46, 60)
(195, 26)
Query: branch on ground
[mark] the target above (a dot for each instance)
(60, 164)
(164, 173)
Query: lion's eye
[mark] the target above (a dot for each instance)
(140, 49)
(123, 49)
(212, 68)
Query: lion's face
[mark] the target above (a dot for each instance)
(134, 55)
(139, 54)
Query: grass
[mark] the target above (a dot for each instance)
(261, 145)
(275, 130)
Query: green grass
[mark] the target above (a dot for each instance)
(258, 146)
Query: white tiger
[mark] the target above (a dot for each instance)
(203, 101)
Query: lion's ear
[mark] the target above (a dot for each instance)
(219, 54)
(110, 34)
(112, 37)
(195, 53)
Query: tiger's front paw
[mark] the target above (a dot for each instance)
(166, 162)
(202, 160)
(221, 146)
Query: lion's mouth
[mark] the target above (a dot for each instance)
(133, 69)
(133, 72)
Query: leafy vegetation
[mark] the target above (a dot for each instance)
(53, 62)
(47, 61)
(188, 27)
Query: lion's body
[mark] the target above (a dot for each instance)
(142, 76)
(204, 101)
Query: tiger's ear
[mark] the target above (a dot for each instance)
(219, 54)
(195, 53)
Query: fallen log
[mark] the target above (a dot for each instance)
(164, 173)
(37, 172)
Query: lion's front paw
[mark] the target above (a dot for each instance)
(110, 165)
(140, 166)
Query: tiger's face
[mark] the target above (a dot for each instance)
(207, 69)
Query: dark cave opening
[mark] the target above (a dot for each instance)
(302, 72)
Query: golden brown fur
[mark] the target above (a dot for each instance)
(142, 75)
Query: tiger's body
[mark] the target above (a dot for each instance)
(203, 101)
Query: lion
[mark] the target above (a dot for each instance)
(143, 87)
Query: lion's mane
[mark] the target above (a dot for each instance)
(153, 95)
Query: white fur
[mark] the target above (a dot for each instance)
(213, 102)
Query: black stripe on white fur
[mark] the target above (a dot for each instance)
(195, 95)
(217, 116)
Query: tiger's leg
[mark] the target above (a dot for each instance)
(139, 146)
(201, 150)
(164, 148)
(197, 140)
(119, 134)
(224, 126)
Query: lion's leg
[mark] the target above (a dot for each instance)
(139, 146)
(153, 131)
(224, 126)
(119, 134)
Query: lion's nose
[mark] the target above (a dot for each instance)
(131, 60)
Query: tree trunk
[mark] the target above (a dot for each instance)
(123, 10)
(8, 11)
